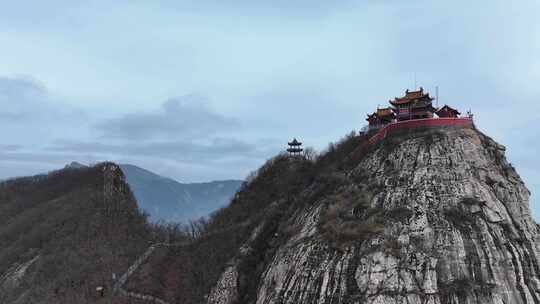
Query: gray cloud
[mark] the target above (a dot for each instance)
(211, 150)
(182, 117)
(28, 156)
(21, 98)
(185, 133)
(25, 99)
(10, 148)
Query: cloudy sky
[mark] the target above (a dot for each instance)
(203, 90)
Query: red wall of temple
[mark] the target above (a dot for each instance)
(410, 124)
(430, 122)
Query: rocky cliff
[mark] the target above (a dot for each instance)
(427, 216)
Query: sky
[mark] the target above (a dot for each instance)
(207, 90)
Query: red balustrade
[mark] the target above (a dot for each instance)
(417, 123)
(410, 124)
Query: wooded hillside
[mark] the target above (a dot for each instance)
(65, 233)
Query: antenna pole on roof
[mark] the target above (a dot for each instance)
(415, 84)
(437, 96)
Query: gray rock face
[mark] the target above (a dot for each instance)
(461, 232)
(12, 278)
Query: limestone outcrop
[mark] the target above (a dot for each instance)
(432, 216)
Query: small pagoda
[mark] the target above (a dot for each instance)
(447, 112)
(380, 118)
(414, 105)
(295, 149)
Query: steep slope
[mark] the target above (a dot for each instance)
(427, 216)
(171, 201)
(65, 233)
(258, 212)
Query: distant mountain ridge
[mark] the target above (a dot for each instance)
(168, 200)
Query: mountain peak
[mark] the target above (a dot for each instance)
(168, 200)
(75, 165)
(54, 230)
(430, 215)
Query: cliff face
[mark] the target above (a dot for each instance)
(432, 216)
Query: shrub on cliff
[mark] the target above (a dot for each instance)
(350, 218)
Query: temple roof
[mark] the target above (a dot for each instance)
(411, 96)
(449, 109)
(422, 104)
(384, 112)
(414, 94)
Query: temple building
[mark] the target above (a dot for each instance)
(380, 118)
(414, 105)
(412, 110)
(447, 112)
(295, 148)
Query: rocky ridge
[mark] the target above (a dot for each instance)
(429, 216)
(66, 233)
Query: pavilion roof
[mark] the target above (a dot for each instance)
(294, 142)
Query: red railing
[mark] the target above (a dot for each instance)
(410, 124)
(416, 123)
